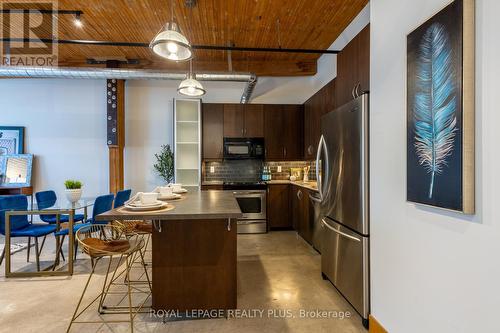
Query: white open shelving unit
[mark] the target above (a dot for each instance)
(187, 141)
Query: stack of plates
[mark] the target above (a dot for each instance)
(172, 196)
(137, 205)
(182, 190)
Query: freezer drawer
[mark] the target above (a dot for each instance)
(344, 261)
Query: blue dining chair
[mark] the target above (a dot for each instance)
(46, 200)
(102, 204)
(122, 197)
(19, 224)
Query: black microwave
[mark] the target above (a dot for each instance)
(243, 148)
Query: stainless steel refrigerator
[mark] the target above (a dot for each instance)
(342, 173)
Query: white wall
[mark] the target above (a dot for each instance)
(65, 128)
(148, 124)
(431, 270)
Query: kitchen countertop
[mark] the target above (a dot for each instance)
(311, 185)
(197, 205)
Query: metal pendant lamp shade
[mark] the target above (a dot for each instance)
(191, 87)
(171, 44)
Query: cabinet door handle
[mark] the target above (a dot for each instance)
(284, 151)
(242, 131)
(310, 150)
(299, 194)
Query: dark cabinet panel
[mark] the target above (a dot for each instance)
(353, 67)
(363, 41)
(213, 131)
(296, 207)
(278, 206)
(273, 132)
(293, 135)
(234, 120)
(319, 104)
(244, 120)
(283, 132)
(303, 212)
(254, 121)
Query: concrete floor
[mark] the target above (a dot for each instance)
(278, 273)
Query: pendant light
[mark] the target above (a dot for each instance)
(190, 86)
(170, 43)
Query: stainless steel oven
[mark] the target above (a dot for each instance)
(253, 206)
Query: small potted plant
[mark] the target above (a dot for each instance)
(73, 190)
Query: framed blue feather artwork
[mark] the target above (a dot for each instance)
(440, 110)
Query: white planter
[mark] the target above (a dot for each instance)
(73, 195)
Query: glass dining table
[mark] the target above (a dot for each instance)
(58, 209)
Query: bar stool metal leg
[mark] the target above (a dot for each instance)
(75, 316)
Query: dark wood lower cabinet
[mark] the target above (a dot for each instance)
(278, 206)
(301, 209)
(303, 212)
(194, 265)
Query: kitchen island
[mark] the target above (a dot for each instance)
(194, 251)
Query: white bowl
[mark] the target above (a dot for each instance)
(148, 197)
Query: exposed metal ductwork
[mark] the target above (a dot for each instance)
(126, 74)
(250, 86)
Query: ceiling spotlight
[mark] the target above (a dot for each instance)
(170, 43)
(78, 20)
(190, 86)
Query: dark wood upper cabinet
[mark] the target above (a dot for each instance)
(314, 108)
(353, 67)
(293, 126)
(234, 120)
(273, 132)
(283, 132)
(254, 121)
(243, 120)
(363, 41)
(278, 206)
(213, 130)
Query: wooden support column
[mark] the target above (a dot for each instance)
(115, 93)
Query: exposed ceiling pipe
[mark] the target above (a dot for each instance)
(126, 74)
(248, 91)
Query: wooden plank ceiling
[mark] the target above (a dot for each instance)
(307, 24)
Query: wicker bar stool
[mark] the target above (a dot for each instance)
(101, 241)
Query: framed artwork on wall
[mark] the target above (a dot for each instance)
(11, 140)
(15, 170)
(440, 110)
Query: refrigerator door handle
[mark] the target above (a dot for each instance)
(318, 157)
(314, 198)
(327, 166)
(340, 232)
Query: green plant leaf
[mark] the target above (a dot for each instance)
(164, 165)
